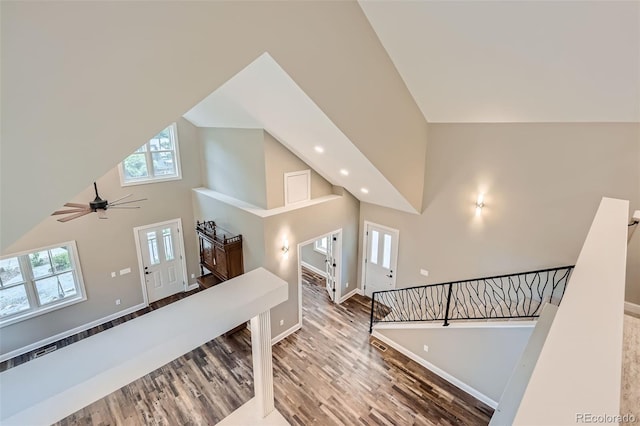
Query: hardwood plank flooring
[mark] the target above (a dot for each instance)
(312, 277)
(327, 374)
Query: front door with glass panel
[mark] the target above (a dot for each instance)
(381, 257)
(162, 263)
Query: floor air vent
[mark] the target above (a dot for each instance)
(379, 346)
(44, 351)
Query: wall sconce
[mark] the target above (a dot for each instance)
(285, 248)
(479, 204)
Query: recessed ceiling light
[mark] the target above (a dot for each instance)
(319, 149)
(344, 172)
(364, 190)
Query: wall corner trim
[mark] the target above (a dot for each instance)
(348, 295)
(312, 268)
(632, 307)
(286, 333)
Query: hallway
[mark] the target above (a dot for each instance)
(326, 373)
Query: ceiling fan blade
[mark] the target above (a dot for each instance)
(121, 198)
(127, 202)
(69, 211)
(77, 205)
(74, 216)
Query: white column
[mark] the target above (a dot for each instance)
(262, 362)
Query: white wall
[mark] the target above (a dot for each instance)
(105, 246)
(278, 161)
(312, 257)
(233, 163)
(302, 225)
(481, 356)
(263, 238)
(543, 184)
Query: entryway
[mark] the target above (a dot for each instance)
(320, 260)
(380, 258)
(161, 259)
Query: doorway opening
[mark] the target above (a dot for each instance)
(320, 263)
(161, 259)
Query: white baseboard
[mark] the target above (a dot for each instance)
(286, 333)
(632, 307)
(313, 268)
(192, 287)
(438, 324)
(71, 332)
(426, 364)
(348, 295)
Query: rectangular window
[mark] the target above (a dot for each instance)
(386, 252)
(156, 160)
(374, 247)
(321, 245)
(167, 241)
(39, 281)
(152, 241)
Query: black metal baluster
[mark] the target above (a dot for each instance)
(373, 301)
(446, 315)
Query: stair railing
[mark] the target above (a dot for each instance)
(519, 295)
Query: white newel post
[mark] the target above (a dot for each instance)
(262, 362)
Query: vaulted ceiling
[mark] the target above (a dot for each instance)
(515, 61)
(264, 96)
(84, 83)
(462, 62)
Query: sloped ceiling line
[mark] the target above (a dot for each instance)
(263, 95)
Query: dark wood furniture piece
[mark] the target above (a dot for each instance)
(220, 254)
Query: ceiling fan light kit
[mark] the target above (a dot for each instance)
(97, 205)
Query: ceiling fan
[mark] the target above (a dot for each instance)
(97, 205)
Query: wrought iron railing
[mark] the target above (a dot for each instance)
(520, 295)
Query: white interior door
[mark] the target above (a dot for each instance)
(162, 259)
(381, 258)
(331, 265)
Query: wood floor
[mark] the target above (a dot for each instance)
(327, 373)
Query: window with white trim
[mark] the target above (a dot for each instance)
(39, 281)
(321, 245)
(156, 160)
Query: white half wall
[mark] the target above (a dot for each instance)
(77, 375)
(579, 368)
(512, 395)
